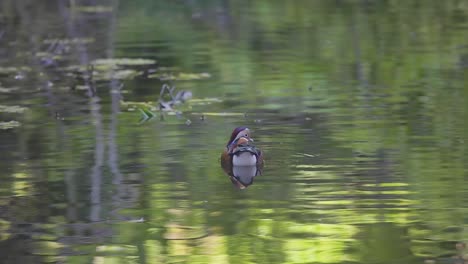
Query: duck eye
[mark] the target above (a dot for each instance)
(246, 135)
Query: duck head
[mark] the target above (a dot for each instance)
(237, 134)
(239, 150)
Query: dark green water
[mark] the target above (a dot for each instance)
(359, 106)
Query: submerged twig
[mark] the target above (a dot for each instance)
(166, 106)
(181, 97)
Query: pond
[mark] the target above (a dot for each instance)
(114, 114)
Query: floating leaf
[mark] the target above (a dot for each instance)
(115, 74)
(133, 105)
(8, 90)
(193, 76)
(180, 76)
(9, 125)
(74, 69)
(12, 109)
(69, 41)
(205, 101)
(93, 9)
(219, 114)
(123, 61)
(48, 55)
(9, 70)
(82, 87)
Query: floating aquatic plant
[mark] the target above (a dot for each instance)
(132, 106)
(218, 114)
(126, 74)
(180, 76)
(10, 70)
(8, 90)
(108, 69)
(205, 101)
(93, 9)
(81, 87)
(9, 124)
(12, 109)
(123, 61)
(69, 41)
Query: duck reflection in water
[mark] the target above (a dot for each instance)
(241, 160)
(243, 176)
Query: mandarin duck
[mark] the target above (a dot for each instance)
(239, 151)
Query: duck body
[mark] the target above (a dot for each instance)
(245, 155)
(244, 159)
(240, 151)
